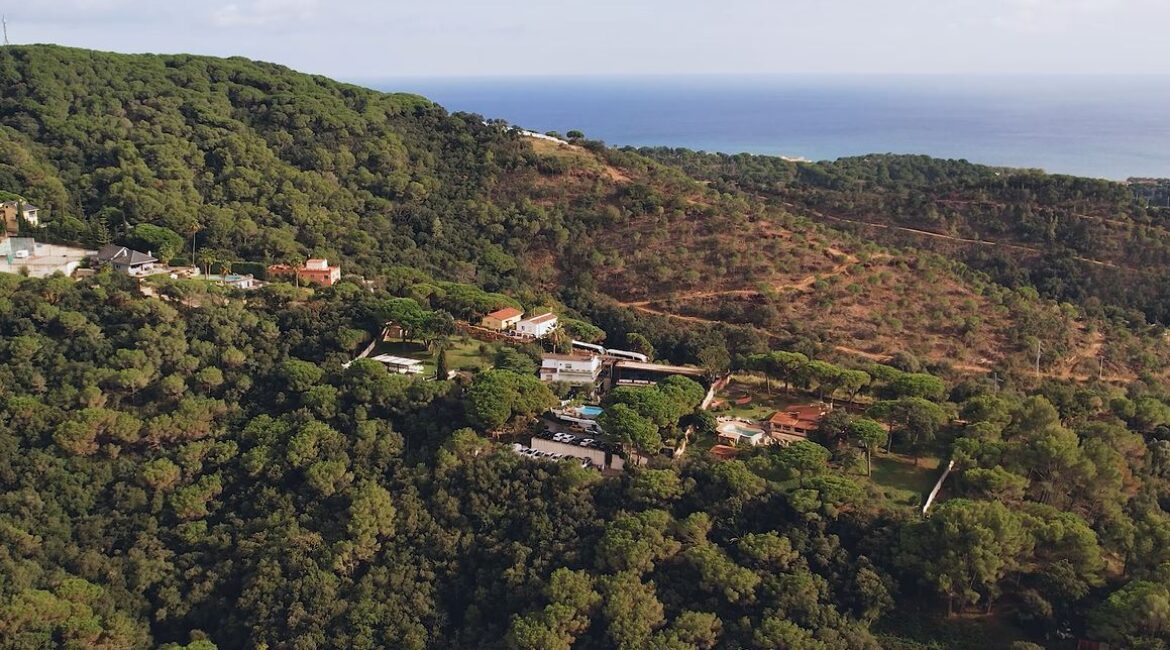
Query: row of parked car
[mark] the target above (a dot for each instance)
(580, 441)
(545, 455)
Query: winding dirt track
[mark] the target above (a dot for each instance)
(937, 235)
(804, 284)
(1065, 371)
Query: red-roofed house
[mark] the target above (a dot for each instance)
(724, 452)
(503, 319)
(795, 420)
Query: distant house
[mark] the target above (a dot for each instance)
(577, 369)
(795, 421)
(315, 271)
(502, 320)
(724, 452)
(236, 281)
(638, 373)
(13, 211)
(537, 327)
(126, 260)
(233, 280)
(400, 365)
(393, 332)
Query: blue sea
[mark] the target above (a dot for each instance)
(1109, 127)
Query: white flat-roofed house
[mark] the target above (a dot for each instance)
(578, 369)
(400, 365)
(537, 327)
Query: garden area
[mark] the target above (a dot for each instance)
(900, 481)
(463, 353)
(747, 396)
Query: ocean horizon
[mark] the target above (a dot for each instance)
(1112, 127)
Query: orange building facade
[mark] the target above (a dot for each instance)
(315, 271)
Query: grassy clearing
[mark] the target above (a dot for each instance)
(900, 481)
(470, 354)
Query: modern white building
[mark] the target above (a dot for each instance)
(537, 327)
(400, 365)
(579, 369)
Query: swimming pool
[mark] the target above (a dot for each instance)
(590, 411)
(740, 429)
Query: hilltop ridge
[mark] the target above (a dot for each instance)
(260, 163)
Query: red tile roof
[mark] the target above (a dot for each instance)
(724, 452)
(807, 416)
(506, 313)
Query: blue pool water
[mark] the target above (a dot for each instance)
(590, 411)
(732, 427)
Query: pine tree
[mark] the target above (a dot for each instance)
(441, 364)
(99, 230)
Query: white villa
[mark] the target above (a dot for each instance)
(538, 326)
(579, 369)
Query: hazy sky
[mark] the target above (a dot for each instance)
(362, 39)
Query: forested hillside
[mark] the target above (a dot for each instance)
(254, 162)
(1094, 242)
(204, 467)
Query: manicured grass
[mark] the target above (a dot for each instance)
(900, 481)
(469, 353)
(462, 353)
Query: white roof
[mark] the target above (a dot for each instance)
(537, 320)
(397, 361)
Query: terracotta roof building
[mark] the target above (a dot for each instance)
(502, 319)
(724, 452)
(796, 420)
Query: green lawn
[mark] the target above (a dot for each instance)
(468, 353)
(900, 481)
(463, 353)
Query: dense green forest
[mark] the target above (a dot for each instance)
(177, 473)
(203, 468)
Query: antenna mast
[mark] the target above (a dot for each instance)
(4, 22)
